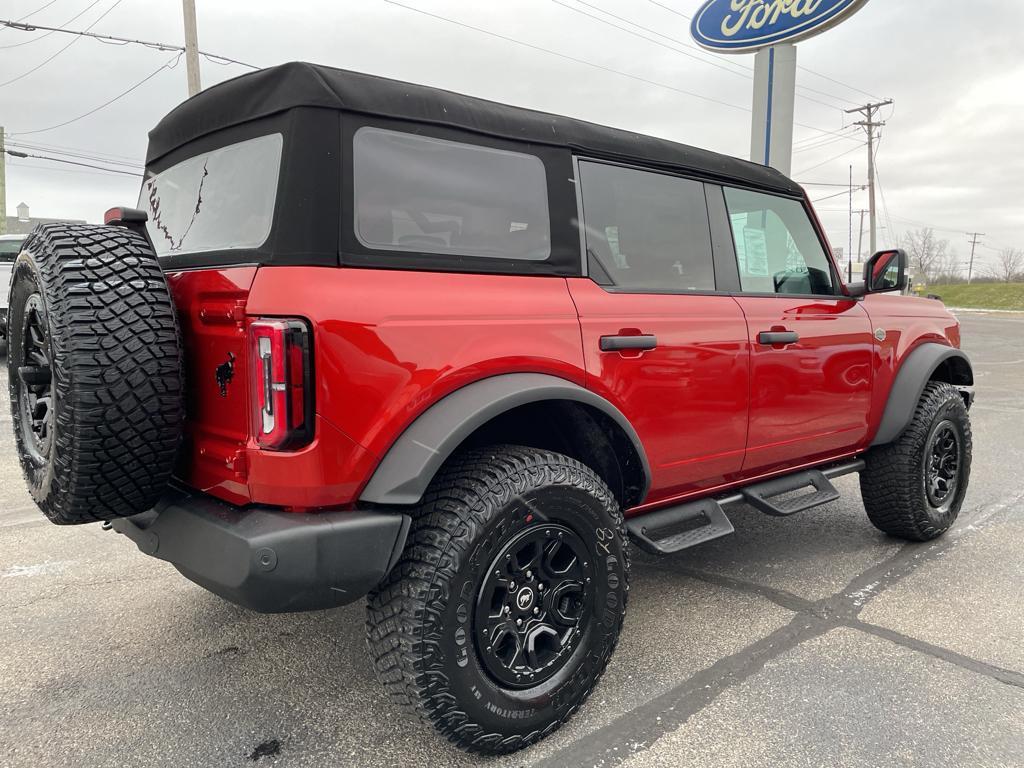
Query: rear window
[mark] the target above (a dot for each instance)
(9, 250)
(216, 201)
(426, 195)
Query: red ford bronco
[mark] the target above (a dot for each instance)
(368, 337)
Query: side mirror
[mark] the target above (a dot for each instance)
(886, 271)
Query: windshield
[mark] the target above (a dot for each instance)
(216, 201)
(9, 249)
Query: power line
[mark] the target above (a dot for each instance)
(37, 10)
(670, 10)
(82, 12)
(15, 25)
(802, 68)
(15, 153)
(65, 150)
(844, 185)
(585, 62)
(167, 65)
(565, 56)
(881, 189)
(824, 142)
(114, 38)
(837, 194)
(825, 162)
(76, 155)
(747, 72)
(37, 168)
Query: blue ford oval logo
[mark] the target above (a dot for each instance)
(746, 25)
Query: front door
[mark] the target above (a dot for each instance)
(659, 341)
(811, 348)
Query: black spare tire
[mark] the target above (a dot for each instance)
(95, 372)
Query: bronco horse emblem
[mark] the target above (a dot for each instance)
(225, 373)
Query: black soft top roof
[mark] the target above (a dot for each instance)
(299, 84)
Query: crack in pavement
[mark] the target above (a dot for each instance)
(639, 728)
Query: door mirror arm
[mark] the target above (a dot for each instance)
(857, 290)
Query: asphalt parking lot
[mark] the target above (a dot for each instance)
(806, 641)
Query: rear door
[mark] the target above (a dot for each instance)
(811, 347)
(661, 339)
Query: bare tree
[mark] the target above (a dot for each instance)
(1009, 265)
(929, 256)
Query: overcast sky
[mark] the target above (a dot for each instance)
(951, 156)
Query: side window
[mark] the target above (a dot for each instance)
(426, 195)
(646, 231)
(776, 246)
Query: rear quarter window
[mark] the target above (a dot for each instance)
(421, 194)
(216, 201)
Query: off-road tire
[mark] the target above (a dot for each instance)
(113, 352)
(421, 626)
(893, 485)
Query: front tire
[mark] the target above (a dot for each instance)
(505, 608)
(914, 487)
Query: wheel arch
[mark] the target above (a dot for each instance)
(928, 362)
(538, 410)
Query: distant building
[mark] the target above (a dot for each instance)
(23, 223)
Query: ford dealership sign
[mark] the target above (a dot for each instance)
(741, 26)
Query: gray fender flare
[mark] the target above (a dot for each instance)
(412, 461)
(910, 382)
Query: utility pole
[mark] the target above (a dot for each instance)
(860, 236)
(191, 47)
(3, 184)
(975, 236)
(849, 250)
(869, 124)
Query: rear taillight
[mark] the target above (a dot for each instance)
(282, 357)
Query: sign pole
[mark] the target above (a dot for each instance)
(771, 133)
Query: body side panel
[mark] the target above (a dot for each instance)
(907, 322)
(389, 344)
(687, 398)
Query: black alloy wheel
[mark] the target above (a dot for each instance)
(531, 605)
(35, 381)
(942, 465)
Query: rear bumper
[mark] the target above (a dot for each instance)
(268, 560)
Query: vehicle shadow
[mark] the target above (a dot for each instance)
(306, 681)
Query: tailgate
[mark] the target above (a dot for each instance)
(211, 312)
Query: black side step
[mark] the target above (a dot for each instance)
(678, 528)
(765, 496)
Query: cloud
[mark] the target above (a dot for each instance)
(952, 154)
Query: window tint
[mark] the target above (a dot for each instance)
(776, 245)
(219, 200)
(426, 195)
(646, 231)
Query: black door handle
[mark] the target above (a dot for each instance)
(777, 337)
(621, 343)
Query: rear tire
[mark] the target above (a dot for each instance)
(94, 371)
(511, 548)
(914, 487)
